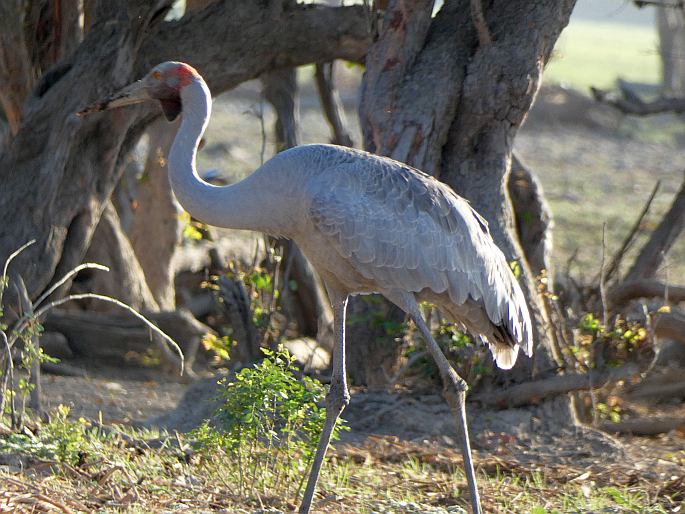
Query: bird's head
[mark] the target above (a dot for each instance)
(164, 83)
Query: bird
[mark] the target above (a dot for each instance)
(368, 224)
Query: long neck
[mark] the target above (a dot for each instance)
(232, 206)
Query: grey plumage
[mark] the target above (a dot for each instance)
(401, 229)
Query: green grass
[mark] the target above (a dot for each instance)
(594, 54)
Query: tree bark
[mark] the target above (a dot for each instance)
(533, 217)
(280, 90)
(624, 292)
(126, 279)
(110, 337)
(440, 98)
(331, 104)
(499, 86)
(155, 230)
(16, 74)
(670, 22)
(58, 171)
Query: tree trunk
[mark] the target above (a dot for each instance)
(58, 171)
(115, 337)
(331, 104)
(33, 37)
(16, 74)
(126, 280)
(533, 218)
(670, 22)
(447, 94)
(155, 230)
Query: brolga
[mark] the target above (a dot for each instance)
(368, 224)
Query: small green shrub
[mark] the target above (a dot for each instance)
(60, 439)
(269, 425)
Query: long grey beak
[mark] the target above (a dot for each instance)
(132, 94)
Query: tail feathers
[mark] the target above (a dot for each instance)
(504, 355)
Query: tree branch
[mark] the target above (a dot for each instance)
(479, 22)
(623, 292)
(537, 390)
(61, 170)
(653, 252)
(677, 4)
(331, 104)
(642, 426)
(629, 102)
(231, 42)
(630, 238)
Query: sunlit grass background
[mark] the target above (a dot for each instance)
(591, 53)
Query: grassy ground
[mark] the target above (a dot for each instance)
(114, 472)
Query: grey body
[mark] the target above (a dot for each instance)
(367, 224)
(370, 224)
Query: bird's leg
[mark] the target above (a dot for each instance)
(455, 389)
(337, 399)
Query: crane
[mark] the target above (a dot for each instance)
(368, 224)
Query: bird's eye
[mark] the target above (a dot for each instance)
(157, 75)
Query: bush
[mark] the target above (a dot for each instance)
(268, 427)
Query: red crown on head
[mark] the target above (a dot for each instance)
(186, 73)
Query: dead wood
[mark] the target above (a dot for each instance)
(658, 392)
(644, 426)
(654, 251)
(624, 292)
(119, 337)
(535, 391)
(657, 378)
(62, 369)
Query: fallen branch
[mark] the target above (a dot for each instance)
(643, 426)
(659, 392)
(629, 103)
(622, 293)
(110, 336)
(537, 390)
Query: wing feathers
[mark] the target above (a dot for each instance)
(403, 229)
